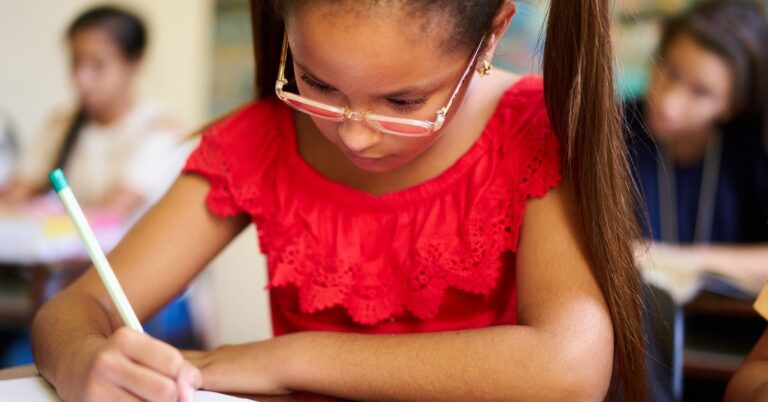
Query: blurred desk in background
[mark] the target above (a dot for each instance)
(40, 253)
(719, 333)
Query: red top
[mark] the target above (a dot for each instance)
(435, 256)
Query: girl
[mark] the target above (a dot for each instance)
(705, 185)
(421, 243)
(113, 146)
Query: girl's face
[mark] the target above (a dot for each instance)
(101, 72)
(689, 92)
(375, 61)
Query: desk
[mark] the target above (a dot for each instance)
(31, 371)
(39, 243)
(42, 233)
(719, 333)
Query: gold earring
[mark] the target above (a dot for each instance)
(485, 68)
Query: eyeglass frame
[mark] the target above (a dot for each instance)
(347, 114)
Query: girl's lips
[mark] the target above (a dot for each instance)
(365, 161)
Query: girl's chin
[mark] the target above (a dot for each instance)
(376, 165)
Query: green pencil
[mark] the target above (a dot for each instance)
(94, 250)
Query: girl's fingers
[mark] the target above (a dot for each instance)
(191, 375)
(149, 352)
(103, 391)
(141, 381)
(188, 382)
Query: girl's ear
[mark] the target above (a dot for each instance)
(498, 27)
(135, 66)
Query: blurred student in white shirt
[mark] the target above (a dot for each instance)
(114, 146)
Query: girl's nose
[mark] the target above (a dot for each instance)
(357, 136)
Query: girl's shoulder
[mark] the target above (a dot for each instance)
(239, 150)
(520, 112)
(250, 125)
(521, 138)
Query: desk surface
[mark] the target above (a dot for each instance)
(45, 235)
(31, 371)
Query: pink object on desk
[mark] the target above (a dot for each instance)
(42, 233)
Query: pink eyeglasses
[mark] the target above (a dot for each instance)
(386, 124)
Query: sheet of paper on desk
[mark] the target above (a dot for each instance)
(35, 389)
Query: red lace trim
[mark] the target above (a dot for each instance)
(470, 262)
(412, 281)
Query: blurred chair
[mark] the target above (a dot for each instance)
(8, 148)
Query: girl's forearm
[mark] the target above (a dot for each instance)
(749, 262)
(735, 256)
(498, 363)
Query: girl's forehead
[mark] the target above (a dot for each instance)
(375, 24)
(362, 54)
(94, 39)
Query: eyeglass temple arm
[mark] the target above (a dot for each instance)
(281, 70)
(444, 111)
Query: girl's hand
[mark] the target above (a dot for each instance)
(132, 366)
(252, 368)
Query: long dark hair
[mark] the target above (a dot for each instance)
(128, 32)
(737, 31)
(583, 109)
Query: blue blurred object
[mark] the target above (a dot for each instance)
(173, 325)
(15, 349)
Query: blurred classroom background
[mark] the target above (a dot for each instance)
(200, 63)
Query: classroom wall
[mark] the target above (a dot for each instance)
(34, 80)
(34, 63)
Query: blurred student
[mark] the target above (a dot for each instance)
(699, 139)
(117, 149)
(114, 144)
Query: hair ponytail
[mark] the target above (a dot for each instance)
(70, 138)
(584, 111)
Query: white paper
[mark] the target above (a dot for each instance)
(30, 389)
(207, 396)
(35, 389)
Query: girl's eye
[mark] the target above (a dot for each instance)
(405, 105)
(319, 87)
(700, 91)
(671, 72)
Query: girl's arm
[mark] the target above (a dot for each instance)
(561, 349)
(73, 336)
(18, 190)
(749, 261)
(123, 201)
(750, 383)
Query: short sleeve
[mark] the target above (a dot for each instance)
(237, 157)
(540, 169)
(531, 155)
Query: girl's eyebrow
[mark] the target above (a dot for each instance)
(409, 90)
(309, 73)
